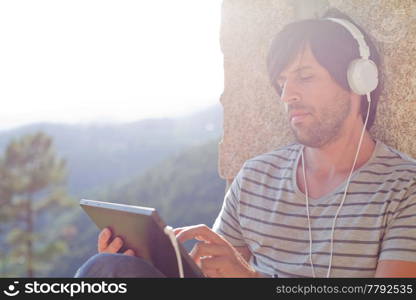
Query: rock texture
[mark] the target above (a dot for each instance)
(254, 121)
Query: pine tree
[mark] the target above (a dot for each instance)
(33, 189)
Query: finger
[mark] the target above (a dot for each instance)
(129, 252)
(211, 273)
(105, 233)
(178, 230)
(226, 267)
(200, 232)
(202, 249)
(193, 256)
(214, 263)
(103, 239)
(114, 246)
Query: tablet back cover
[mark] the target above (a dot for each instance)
(143, 233)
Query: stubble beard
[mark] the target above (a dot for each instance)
(325, 127)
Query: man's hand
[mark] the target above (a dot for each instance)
(214, 254)
(105, 246)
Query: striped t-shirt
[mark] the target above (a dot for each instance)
(265, 210)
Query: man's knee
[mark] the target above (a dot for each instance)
(117, 265)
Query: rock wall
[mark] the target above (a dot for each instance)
(254, 120)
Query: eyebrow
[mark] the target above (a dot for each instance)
(302, 68)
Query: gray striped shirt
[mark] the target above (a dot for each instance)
(265, 210)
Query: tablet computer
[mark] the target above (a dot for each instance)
(142, 230)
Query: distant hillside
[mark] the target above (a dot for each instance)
(185, 188)
(98, 155)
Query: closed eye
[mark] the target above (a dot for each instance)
(279, 88)
(306, 78)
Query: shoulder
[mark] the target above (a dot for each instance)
(400, 156)
(394, 159)
(278, 160)
(278, 156)
(268, 171)
(394, 167)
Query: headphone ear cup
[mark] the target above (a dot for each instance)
(362, 76)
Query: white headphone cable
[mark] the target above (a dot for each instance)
(168, 230)
(307, 213)
(343, 198)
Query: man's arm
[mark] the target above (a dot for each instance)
(397, 251)
(385, 268)
(214, 254)
(245, 252)
(396, 268)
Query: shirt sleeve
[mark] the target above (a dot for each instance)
(399, 241)
(227, 223)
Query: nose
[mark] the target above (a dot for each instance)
(289, 93)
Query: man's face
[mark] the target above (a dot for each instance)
(317, 106)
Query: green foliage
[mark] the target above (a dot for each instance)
(6, 193)
(185, 188)
(33, 185)
(100, 154)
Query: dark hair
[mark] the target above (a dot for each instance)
(333, 47)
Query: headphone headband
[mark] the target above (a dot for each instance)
(362, 72)
(357, 35)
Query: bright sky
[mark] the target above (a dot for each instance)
(107, 60)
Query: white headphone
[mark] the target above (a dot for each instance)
(362, 72)
(363, 79)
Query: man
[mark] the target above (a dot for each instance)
(337, 203)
